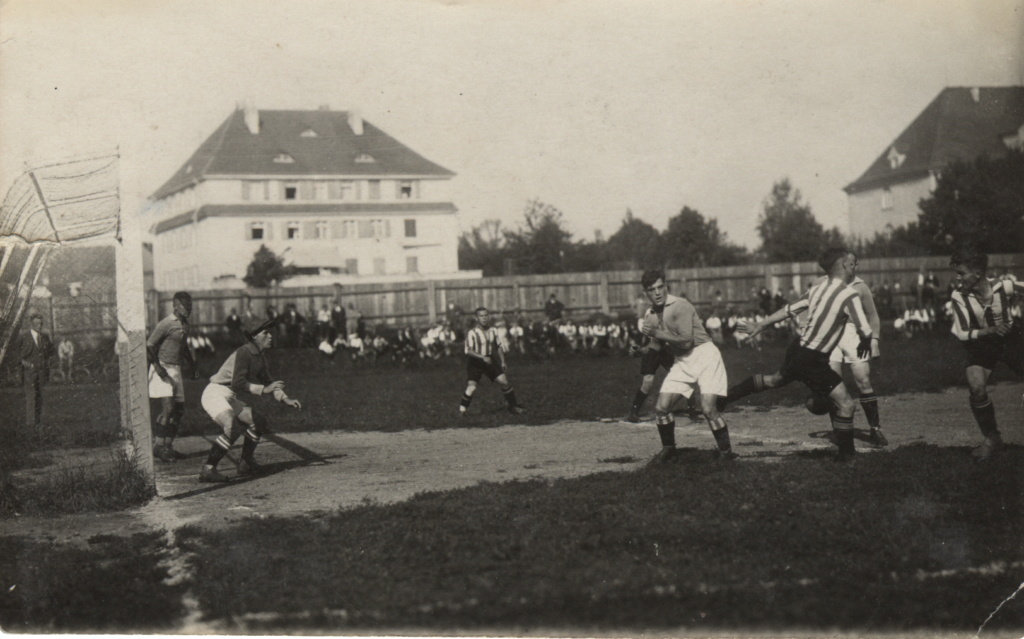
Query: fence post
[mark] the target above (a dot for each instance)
(602, 293)
(431, 301)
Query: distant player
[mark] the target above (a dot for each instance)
(485, 354)
(845, 352)
(166, 349)
(244, 371)
(983, 323)
(830, 304)
(697, 365)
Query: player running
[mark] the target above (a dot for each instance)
(486, 356)
(166, 348)
(845, 352)
(830, 304)
(983, 324)
(673, 322)
(245, 370)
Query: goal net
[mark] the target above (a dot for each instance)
(73, 385)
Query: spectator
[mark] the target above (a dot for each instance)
(36, 351)
(233, 324)
(553, 309)
(338, 322)
(293, 325)
(323, 324)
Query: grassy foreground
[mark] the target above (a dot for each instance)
(917, 538)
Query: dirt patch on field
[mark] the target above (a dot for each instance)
(320, 472)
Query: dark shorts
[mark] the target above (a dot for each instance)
(476, 368)
(987, 352)
(652, 359)
(810, 367)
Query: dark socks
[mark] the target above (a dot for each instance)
(869, 404)
(985, 414)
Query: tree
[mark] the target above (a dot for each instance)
(266, 268)
(789, 232)
(636, 245)
(691, 241)
(541, 244)
(483, 248)
(979, 202)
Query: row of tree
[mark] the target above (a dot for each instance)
(981, 202)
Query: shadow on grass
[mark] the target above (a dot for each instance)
(269, 470)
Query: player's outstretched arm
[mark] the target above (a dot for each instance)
(753, 328)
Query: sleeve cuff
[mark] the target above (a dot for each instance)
(256, 389)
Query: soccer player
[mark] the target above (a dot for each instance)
(166, 348)
(845, 352)
(830, 304)
(245, 370)
(486, 356)
(673, 322)
(983, 324)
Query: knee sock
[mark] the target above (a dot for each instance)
(721, 432)
(667, 430)
(869, 404)
(843, 427)
(510, 396)
(466, 399)
(220, 448)
(985, 414)
(748, 386)
(638, 401)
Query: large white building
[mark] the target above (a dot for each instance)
(961, 123)
(332, 194)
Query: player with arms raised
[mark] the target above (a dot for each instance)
(830, 304)
(673, 322)
(983, 324)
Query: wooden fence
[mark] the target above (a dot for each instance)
(583, 294)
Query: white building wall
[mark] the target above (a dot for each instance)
(868, 216)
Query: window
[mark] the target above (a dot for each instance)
(308, 133)
(284, 158)
(352, 266)
(346, 229)
(374, 187)
(886, 199)
(410, 228)
(256, 230)
(412, 264)
(340, 190)
(293, 231)
(364, 158)
(404, 189)
(378, 266)
(320, 230)
(289, 190)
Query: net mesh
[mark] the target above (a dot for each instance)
(72, 331)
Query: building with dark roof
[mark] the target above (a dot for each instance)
(962, 123)
(333, 194)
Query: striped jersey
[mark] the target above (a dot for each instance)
(483, 342)
(830, 304)
(970, 314)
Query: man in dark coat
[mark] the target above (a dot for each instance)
(36, 351)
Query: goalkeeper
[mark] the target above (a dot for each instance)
(244, 371)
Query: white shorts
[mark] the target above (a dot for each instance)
(845, 351)
(158, 388)
(701, 368)
(219, 399)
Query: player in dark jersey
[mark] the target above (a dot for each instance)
(830, 304)
(652, 356)
(982, 323)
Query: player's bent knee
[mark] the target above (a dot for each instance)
(225, 420)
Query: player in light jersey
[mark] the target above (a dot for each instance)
(846, 353)
(166, 349)
(983, 322)
(698, 365)
(486, 356)
(830, 304)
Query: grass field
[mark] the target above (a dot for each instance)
(915, 539)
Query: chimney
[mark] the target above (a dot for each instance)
(252, 117)
(976, 94)
(355, 122)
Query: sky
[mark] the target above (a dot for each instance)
(592, 106)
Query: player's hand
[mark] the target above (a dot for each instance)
(651, 324)
(504, 366)
(273, 386)
(162, 373)
(635, 351)
(294, 403)
(487, 360)
(875, 351)
(748, 328)
(864, 348)
(1002, 329)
